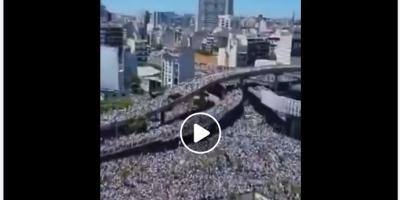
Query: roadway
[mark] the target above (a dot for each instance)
(189, 89)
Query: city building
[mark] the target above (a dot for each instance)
(121, 19)
(222, 59)
(206, 63)
(186, 41)
(196, 23)
(284, 47)
(257, 48)
(262, 27)
(115, 58)
(169, 18)
(164, 18)
(117, 69)
(197, 39)
(150, 78)
(168, 38)
(296, 41)
(208, 43)
(155, 35)
(235, 23)
(141, 51)
(176, 21)
(224, 22)
(187, 20)
(146, 17)
(235, 51)
(111, 72)
(155, 19)
(248, 23)
(209, 11)
(141, 23)
(178, 37)
(177, 66)
(172, 37)
(130, 66)
(232, 52)
(112, 35)
(155, 58)
(132, 29)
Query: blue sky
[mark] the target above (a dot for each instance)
(268, 8)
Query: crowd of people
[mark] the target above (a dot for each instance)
(168, 131)
(249, 157)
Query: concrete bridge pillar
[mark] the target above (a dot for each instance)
(294, 127)
(276, 82)
(162, 117)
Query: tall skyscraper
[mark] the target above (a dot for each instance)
(146, 18)
(293, 18)
(209, 11)
(155, 19)
(143, 27)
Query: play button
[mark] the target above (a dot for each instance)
(200, 133)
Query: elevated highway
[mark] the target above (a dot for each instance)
(278, 103)
(191, 88)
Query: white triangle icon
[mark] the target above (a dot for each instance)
(199, 133)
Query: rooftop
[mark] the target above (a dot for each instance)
(205, 59)
(147, 71)
(153, 78)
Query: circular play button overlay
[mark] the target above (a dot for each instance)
(200, 133)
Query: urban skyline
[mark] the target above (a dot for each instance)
(268, 8)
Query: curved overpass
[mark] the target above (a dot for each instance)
(166, 133)
(196, 86)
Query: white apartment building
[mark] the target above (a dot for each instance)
(235, 52)
(177, 66)
(111, 72)
(139, 48)
(224, 21)
(222, 59)
(284, 47)
(262, 27)
(150, 78)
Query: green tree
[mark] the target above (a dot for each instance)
(116, 103)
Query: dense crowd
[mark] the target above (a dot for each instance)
(250, 157)
(169, 131)
(147, 104)
(134, 110)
